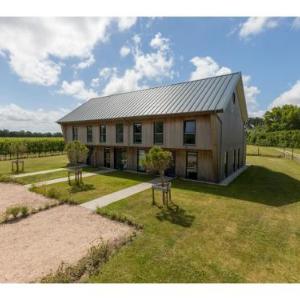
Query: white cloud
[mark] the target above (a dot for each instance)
(86, 63)
(159, 42)
(291, 96)
(124, 51)
(14, 117)
(147, 66)
(35, 46)
(208, 67)
(256, 25)
(77, 90)
(125, 23)
(95, 82)
(296, 23)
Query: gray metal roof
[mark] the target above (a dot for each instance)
(204, 95)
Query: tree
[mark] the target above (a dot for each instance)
(286, 117)
(17, 149)
(158, 160)
(77, 153)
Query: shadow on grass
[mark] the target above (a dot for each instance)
(256, 184)
(175, 215)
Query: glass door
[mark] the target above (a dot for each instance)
(140, 157)
(107, 158)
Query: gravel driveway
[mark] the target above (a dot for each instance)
(15, 194)
(32, 247)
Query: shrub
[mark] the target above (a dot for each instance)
(75, 188)
(8, 179)
(24, 211)
(53, 193)
(13, 211)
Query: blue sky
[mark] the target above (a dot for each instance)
(49, 66)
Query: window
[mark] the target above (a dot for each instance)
(158, 137)
(119, 133)
(234, 160)
(89, 134)
(75, 133)
(189, 135)
(238, 158)
(107, 158)
(233, 98)
(140, 157)
(226, 164)
(102, 133)
(137, 133)
(191, 165)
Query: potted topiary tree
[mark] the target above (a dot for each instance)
(17, 149)
(77, 154)
(158, 160)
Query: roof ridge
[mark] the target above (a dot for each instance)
(165, 85)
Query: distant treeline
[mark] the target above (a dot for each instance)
(23, 133)
(278, 127)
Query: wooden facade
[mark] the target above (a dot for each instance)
(216, 135)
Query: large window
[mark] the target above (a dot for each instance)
(234, 160)
(191, 165)
(137, 133)
(226, 164)
(238, 158)
(89, 134)
(158, 132)
(75, 133)
(102, 133)
(189, 132)
(140, 157)
(107, 157)
(119, 133)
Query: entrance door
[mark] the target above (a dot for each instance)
(106, 157)
(170, 172)
(120, 159)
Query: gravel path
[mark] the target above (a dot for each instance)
(34, 246)
(15, 194)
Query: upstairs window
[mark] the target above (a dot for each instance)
(137, 133)
(189, 132)
(89, 134)
(75, 133)
(102, 133)
(119, 133)
(158, 137)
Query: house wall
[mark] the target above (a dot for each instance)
(233, 135)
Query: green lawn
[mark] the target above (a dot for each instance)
(246, 232)
(42, 177)
(103, 184)
(263, 151)
(37, 164)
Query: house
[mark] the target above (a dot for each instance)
(201, 122)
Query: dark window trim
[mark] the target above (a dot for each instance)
(89, 137)
(184, 122)
(73, 133)
(121, 141)
(134, 134)
(226, 164)
(160, 133)
(137, 159)
(186, 162)
(101, 134)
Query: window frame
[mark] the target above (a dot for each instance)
(118, 134)
(89, 136)
(155, 134)
(137, 134)
(74, 128)
(186, 164)
(102, 136)
(189, 134)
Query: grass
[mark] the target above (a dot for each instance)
(103, 184)
(42, 177)
(263, 151)
(246, 232)
(36, 164)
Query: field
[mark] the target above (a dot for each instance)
(246, 232)
(35, 146)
